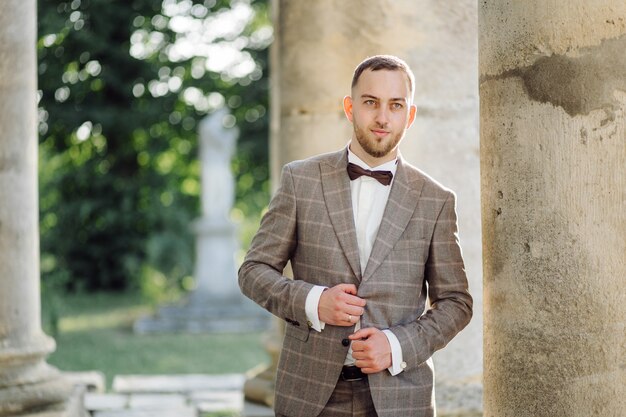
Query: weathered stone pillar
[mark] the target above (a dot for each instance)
(317, 46)
(27, 383)
(553, 163)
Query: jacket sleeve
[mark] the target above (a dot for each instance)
(450, 302)
(261, 274)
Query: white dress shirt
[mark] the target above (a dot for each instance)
(369, 198)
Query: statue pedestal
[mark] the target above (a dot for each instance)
(215, 316)
(216, 305)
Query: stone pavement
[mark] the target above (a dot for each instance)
(173, 396)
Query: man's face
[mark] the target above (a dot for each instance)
(380, 110)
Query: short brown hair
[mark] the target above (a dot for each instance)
(384, 62)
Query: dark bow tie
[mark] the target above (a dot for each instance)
(383, 177)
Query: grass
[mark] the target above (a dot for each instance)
(94, 332)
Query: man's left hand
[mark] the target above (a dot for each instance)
(371, 350)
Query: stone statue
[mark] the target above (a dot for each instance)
(216, 304)
(217, 146)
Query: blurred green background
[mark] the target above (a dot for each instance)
(122, 88)
(94, 332)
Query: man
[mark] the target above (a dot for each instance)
(370, 239)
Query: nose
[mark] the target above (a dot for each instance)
(382, 116)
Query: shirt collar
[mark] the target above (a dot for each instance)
(387, 166)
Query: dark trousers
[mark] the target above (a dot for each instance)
(349, 399)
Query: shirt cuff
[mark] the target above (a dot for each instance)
(397, 365)
(310, 308)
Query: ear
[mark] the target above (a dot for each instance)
(412, 112)
(347, 107)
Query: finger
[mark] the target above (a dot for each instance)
(363, 364)
(347, 288)
(358, 356)
(358, 346)
(354, 300)
(358, 335)
(369, 370)
(354, 310)
(362, 333)
(344, 322)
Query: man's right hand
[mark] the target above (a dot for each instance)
(340, 306)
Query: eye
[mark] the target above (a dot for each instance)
(369, 102)
(397, 106)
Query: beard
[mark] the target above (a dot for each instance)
(374, 146)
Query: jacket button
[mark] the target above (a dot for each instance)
(345, 342)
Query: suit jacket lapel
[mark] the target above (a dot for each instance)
(336, 188)
(403, 197)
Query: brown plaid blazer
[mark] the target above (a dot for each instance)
(416, 256)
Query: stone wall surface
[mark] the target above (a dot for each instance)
(553, 158)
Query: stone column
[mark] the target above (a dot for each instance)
(26, 381)
(317, 46)
(553, 163)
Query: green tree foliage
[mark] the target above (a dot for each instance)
(122, 87)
